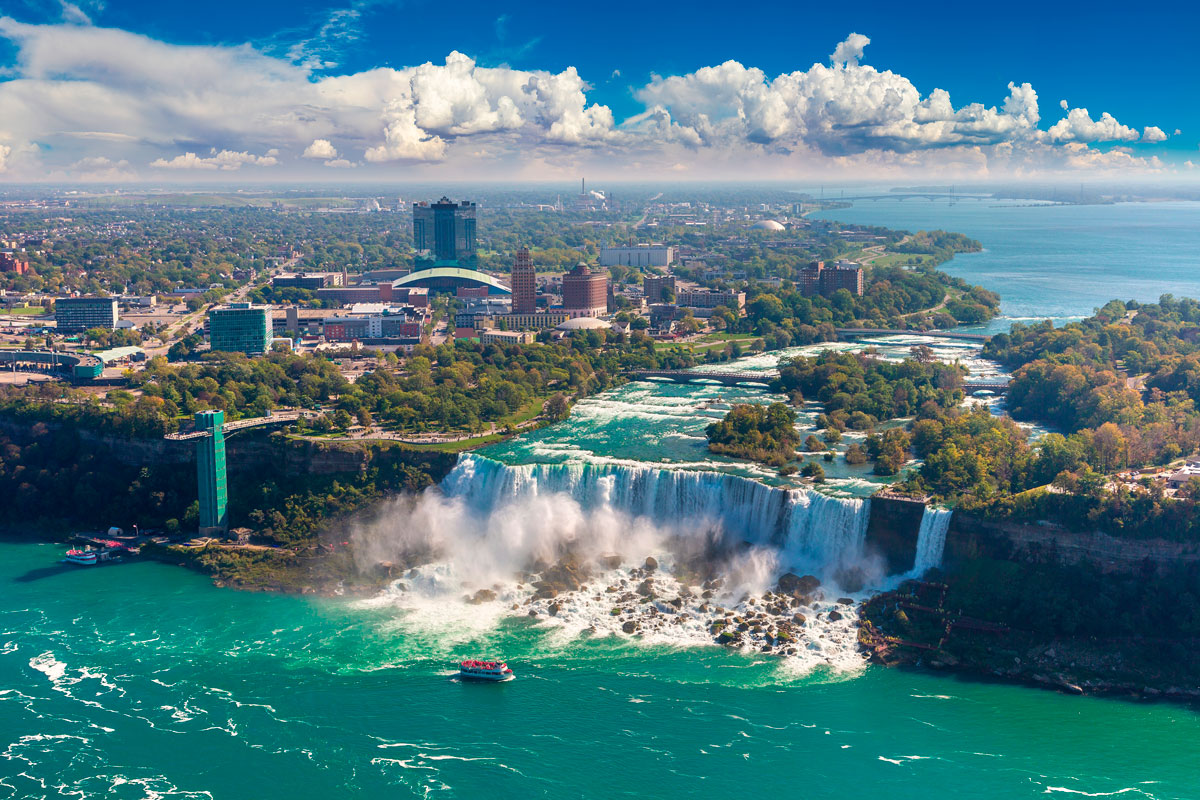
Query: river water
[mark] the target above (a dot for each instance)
(142, 680)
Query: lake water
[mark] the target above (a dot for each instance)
(144, 681)
(1057, 261)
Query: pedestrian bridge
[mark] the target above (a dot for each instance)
(684, 376)
(241, 424)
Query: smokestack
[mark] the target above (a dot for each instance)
(583, 185)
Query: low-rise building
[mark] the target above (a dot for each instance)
(507, 337)
(10, 263)
(706, 300)
(638, 255)
(307, 280)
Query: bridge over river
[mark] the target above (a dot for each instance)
(850, 333)
(765, 379)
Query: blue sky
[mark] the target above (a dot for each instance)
(654, 93)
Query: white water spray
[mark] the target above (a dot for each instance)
(492, 532)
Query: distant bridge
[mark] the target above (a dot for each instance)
(726, 378)
(999, 387)
(765, 378)
(242, 424)
(966, 337)
(931, 196)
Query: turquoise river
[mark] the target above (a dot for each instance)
(142, 680)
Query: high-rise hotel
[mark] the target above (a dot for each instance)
(445, 230)
(524, 284)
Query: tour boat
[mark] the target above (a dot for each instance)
(85, 557)
(485, 671)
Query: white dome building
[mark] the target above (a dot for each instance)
(583, 324)
(768, 225)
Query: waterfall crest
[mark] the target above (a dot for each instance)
(805, 527)
(931, 539)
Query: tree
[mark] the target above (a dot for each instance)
(813, 470)
(558, 407)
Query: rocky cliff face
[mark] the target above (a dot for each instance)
(971, 537)
(252, 452)
(892, 531)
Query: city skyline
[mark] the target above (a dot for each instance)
(319, 91)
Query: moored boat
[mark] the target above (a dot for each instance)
(82, 557)
(485, 671)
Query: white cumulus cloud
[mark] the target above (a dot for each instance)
(81, 92)
(1078, 126)
(1153, 134)
(321, 148)
(228, 160)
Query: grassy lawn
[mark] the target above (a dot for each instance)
(524, 414)
(32, 311)
(904, 260)
(458, 447)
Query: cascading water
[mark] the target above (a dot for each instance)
(675, 556)
(931, 539)
(807, 528)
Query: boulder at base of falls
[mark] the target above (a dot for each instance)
(482, 596)
(646, 588)
(845, 601)
(834, 615)
(629, 627)
(790, 583)
(609, 560)
(564, 577)
(651, 564)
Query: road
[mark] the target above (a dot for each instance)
(194, 320)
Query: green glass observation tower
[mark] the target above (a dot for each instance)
(210, 474)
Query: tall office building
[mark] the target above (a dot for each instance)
(446, 230)
(213, 487)
(524, 284)
(75, 314)
(240, 328)
(585, 293)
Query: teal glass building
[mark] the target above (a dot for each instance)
(240, 328)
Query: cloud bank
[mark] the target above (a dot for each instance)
(83, 102)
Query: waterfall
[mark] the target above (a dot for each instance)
(931, 539)
(806, 528)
